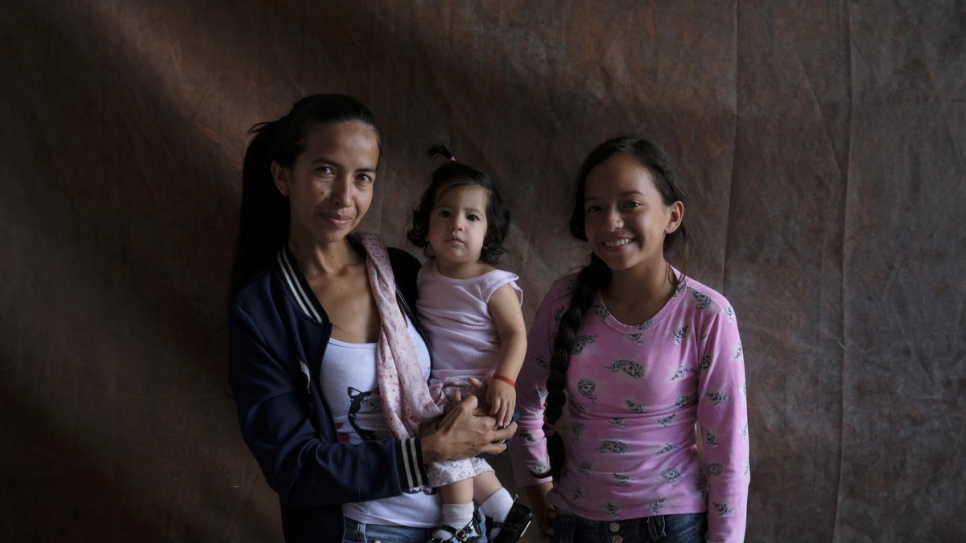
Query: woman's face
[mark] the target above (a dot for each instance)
(330, 184)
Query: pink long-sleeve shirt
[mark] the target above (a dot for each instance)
(658, 412)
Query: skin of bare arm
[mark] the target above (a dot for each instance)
(465, 432)
(504, 306)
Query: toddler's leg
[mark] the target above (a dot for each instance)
(458, 509)
(495, 500)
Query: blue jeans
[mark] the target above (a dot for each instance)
(357, 532)
(689, 528)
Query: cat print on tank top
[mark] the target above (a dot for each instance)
(365, 409)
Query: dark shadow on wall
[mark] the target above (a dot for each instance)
(119, 231)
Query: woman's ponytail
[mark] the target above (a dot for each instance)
(264, 218)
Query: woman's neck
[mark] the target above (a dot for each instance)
(324, 259)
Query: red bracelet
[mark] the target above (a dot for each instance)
(506, 380)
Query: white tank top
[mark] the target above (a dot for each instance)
(348, 380)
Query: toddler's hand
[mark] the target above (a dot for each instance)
(502, 401)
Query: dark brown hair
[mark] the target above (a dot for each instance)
(448, 175)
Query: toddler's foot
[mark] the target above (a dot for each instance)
(470, 533)
(513, 527)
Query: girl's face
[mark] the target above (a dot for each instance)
(625, 217)
(457, 224)
(330, 184)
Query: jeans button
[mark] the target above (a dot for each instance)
(614, 526)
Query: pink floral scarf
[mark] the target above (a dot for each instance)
(406, 400)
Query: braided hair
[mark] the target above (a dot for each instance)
(597, 275)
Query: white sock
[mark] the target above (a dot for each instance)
(497, 507)
(456, 515)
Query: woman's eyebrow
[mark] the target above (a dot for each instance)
(324, 160)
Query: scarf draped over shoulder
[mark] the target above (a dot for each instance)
(406, 400)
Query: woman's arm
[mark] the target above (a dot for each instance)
(306, 466)
(504, 306)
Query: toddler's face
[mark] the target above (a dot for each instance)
(457, 224)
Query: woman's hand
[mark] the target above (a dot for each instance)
(502, 400)
(465, 432)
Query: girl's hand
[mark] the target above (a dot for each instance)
(543, 513)
(545, 522)
(502, 401)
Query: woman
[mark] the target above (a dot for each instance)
(324, 351)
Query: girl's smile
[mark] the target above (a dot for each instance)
(625, 218)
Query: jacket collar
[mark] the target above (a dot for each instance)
(299, 287)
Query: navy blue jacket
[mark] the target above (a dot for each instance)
(278, 333)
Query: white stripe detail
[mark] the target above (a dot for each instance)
(308, 376)
(293, 284)
(408, 451)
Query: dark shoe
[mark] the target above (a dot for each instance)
(470, 533)
(512, 529)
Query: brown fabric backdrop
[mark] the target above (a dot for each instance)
(824, 144)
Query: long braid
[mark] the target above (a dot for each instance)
(589, 280)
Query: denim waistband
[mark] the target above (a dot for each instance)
(359, 531)
(685, 528)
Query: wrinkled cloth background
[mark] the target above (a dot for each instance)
(824, 144)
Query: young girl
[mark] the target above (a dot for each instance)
(650, 365)
(471, 314)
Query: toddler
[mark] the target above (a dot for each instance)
(475, 330)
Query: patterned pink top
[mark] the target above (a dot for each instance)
(638, 395)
